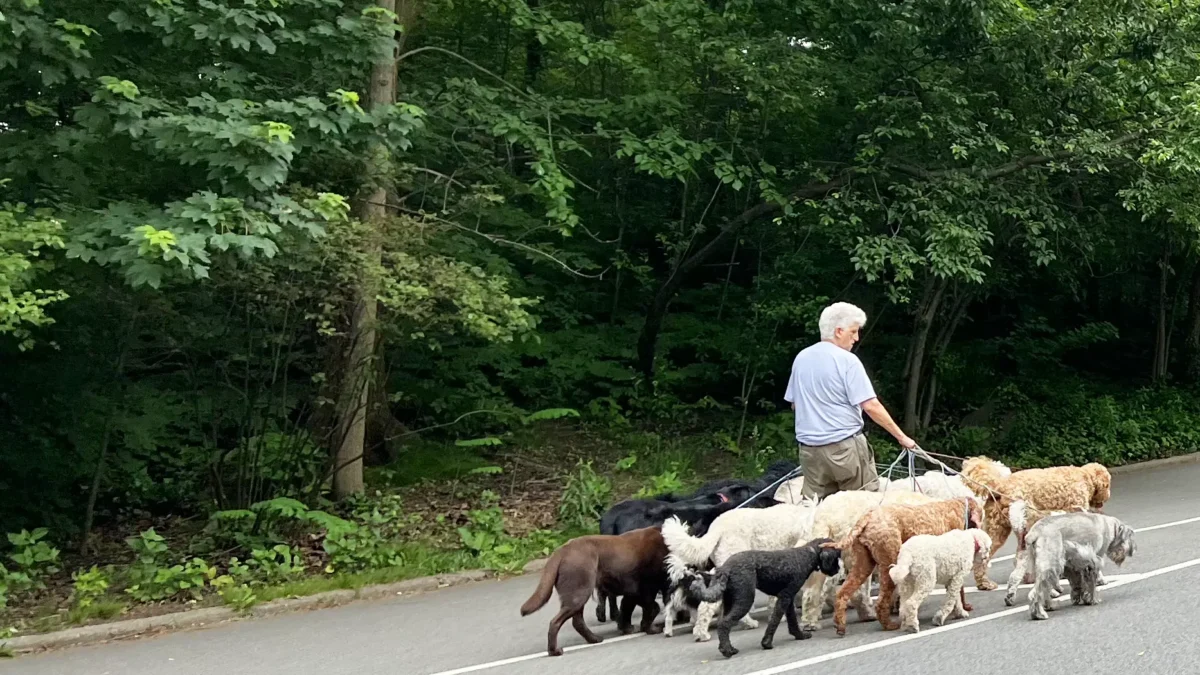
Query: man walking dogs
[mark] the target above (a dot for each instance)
(829, 390)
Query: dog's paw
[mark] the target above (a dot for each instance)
(915, 628)
(967, 607)
(556, 652)
(1101, 581)
(809, 627)
(1054, 593)
(728, 653)
(987, 585)
(625, 630)
(804, 635)
(767, 644)
(702, 637)
(652, 630)
(749, 622)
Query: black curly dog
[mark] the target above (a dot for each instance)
(698, 510)
(777, 573)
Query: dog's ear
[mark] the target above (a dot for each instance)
(1101, 481)
(1122, 545)
(828, 560)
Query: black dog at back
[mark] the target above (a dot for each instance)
(697, 510)
(634, 514)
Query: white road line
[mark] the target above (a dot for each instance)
(1114, 581)
(1166, 525)
(824, 658)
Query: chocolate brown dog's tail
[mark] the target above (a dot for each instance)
(545, 587)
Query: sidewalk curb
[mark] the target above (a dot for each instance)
(90, 635)
(1155, 463)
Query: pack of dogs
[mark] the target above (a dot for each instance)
(708, 553)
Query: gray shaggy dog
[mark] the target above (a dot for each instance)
(1074, 543)
(777, 573)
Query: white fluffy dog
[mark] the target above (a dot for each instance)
(933, 483)
(770, 529)
(927, 561)
(835, 517)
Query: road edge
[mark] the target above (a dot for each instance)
(198, 618)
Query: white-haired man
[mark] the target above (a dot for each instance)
(829, 390)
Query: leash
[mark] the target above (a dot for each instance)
(799, 470)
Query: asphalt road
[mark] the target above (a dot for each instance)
(1145, 620)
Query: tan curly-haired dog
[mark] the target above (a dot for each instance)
(876, 540)
(1059, 488)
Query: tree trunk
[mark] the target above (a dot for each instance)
(89, 515)
(1159, 369)
(915, 368)
(360, 370)
(533, 52)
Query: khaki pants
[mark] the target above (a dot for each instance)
(845, 465)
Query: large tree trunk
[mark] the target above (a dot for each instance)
(929, 382)
(355, 397)
(914, 369)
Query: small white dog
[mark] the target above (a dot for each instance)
(835, 516)
(770, 529)
(927, 561)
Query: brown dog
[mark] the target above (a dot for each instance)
(876, 539)
(631, 565)
(1058, 488)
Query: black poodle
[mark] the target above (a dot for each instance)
(777, 573)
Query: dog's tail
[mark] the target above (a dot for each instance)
(714, 591)
(545, 587)
(848, 541)
(691, 550)
(1017, 514)
(903, 567)
(677, 569)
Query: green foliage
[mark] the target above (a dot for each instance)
(667, 481)
(275, 565)
(25, 239)
(585, 495)
(240, 596)
(90, 585)
(1075, 423)
(485, 532)
(33, 555)
(152, 578)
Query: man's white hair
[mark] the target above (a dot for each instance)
(840, 315)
